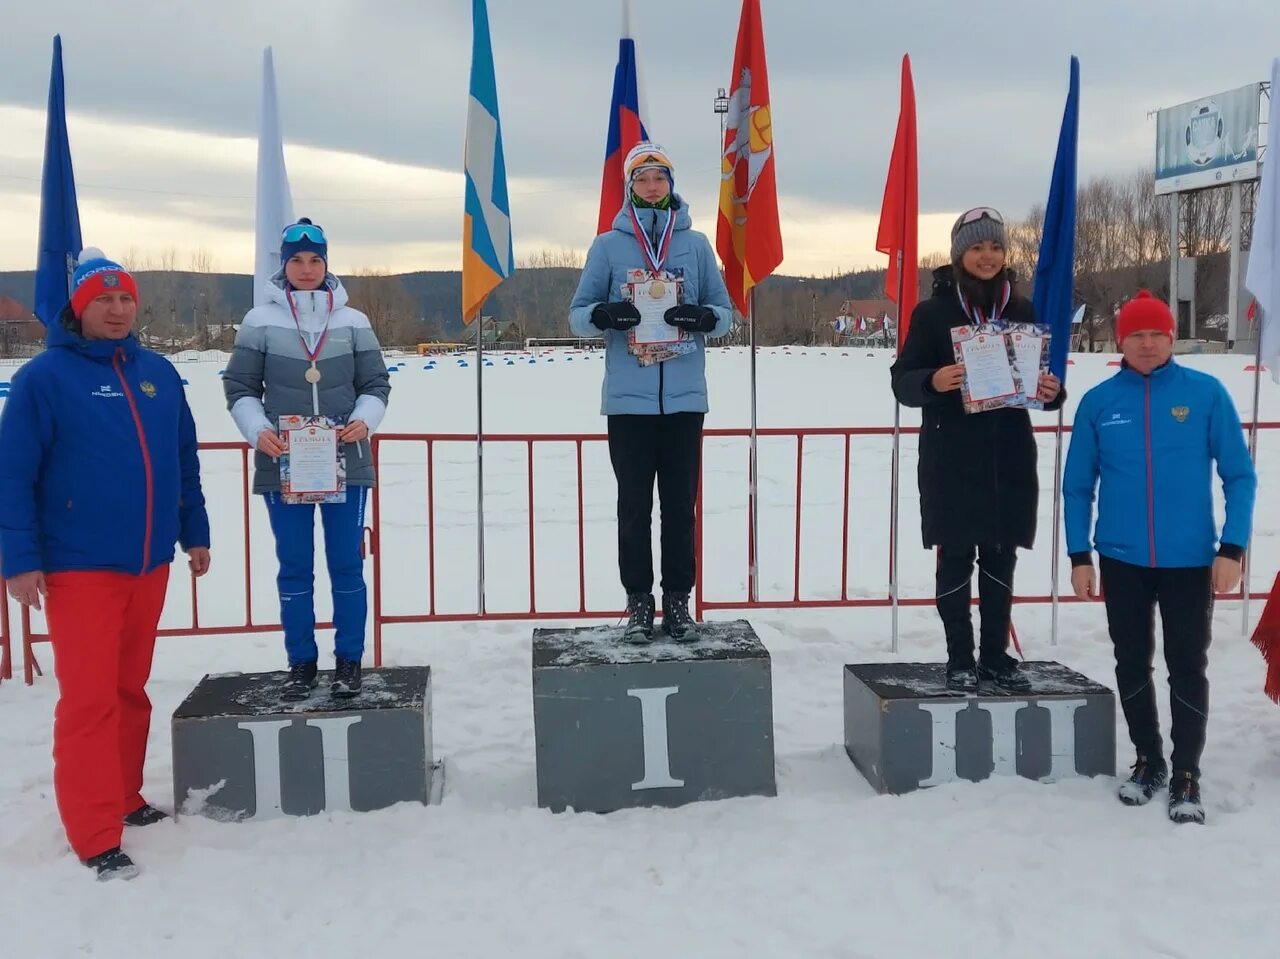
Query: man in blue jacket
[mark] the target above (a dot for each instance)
(98, 478)
(1147, 441)
(654, 393)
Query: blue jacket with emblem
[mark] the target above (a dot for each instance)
(1148, 445)
(677, 385)
(98, 464)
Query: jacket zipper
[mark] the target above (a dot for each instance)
(1151, 489)
(146, 459)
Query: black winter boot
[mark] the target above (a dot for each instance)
(302, 679)
(346, 679)
(676, 620)
(639, 619)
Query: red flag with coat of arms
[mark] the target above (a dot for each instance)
(748, 237)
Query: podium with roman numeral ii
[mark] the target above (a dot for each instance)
(662, 724)
(905, 730)
(240, 752)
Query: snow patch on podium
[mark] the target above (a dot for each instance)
(604, 644)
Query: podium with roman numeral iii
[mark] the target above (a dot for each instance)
(905, 730)
(663, 724)
(241, 752)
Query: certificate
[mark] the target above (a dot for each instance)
(990, 379)
(1030, 346)
(311, 469)
(652, 298)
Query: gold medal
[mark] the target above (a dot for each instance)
(657, 289)
(312, 375)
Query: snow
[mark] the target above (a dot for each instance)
(1006, 867)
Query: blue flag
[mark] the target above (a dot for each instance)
(60, 242)
(1055, 270)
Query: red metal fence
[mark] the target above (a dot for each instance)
(430, 443)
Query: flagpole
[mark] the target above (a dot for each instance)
(753, 536)
(479, 463)
(894, 477)
(1054, 561)
(1253, 458)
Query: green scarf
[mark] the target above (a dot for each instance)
(663, 204)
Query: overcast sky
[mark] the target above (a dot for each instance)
(163, 95)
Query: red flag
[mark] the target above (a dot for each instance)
(901, 209)
(1266, 636)
(748, 237)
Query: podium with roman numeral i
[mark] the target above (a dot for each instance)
(905, 730)
(662, 724)
(241, 752)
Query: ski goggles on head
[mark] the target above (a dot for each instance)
(979, 213)
(296, 232)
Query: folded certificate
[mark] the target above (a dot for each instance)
(1029, 343)
(991, 378)
(313, 467)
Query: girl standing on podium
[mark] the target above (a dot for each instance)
(305, 352)
(977, 471)
(655, 380)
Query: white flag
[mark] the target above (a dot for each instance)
(274, 209)
(1263, 278)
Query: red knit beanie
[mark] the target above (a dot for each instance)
(1144, 312)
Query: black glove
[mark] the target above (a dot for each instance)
(615, 316)
(691, 318)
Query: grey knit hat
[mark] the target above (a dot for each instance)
(974, 226)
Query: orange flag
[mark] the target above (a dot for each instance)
(901, 210)
(748, 237)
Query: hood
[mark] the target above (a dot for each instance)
(311, 307)
(65, 334)
(679, 209)
(275, 290)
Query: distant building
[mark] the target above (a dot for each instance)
(20, 332)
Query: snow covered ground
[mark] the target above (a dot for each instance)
(1002, 868)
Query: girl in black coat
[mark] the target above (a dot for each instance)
(977, 471)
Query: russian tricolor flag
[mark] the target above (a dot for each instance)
(626, 124)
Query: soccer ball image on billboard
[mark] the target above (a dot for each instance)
(1204, 133)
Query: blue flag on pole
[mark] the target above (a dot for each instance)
(1055, 270)
(60, 242)
(487, 258)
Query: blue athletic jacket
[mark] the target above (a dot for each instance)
(1148, 445)
(98, 465)
(678, 385)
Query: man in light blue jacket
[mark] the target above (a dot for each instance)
(1148, 440)
(654, 394)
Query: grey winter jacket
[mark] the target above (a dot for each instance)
(265, 378)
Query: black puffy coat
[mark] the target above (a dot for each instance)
(977, 471)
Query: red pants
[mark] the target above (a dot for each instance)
(103, 627)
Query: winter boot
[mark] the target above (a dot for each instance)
(346, 679)
(639, 619)
(1149, 776)
(112, 864)
(1184, 799)
(302, 679)
(145, 815)
(1004, 674)
(676, 621)
(962, 679)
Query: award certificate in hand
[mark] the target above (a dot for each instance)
(990, 380)
(311, 470)
(653, 297)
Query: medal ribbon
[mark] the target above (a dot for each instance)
(324, 334)
(996, 312)
(654, 257)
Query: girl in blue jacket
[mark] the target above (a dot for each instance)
(655, 397)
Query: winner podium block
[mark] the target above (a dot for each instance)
(241, 752)
(905, 730)
(663, 724)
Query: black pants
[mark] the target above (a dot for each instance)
(668, 446)
(1186, 610)
(995, 600)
